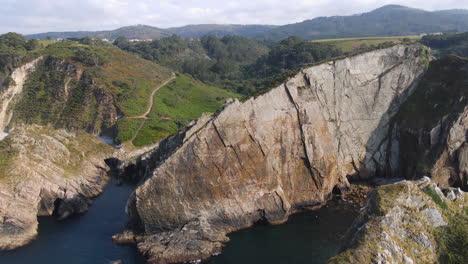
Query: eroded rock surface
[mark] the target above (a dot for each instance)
(400, 224)
(46, 172)
(267, 157)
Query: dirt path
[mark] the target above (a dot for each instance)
(151, 99)
(150, 106)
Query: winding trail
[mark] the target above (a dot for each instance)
(150, 106)
(151, 99)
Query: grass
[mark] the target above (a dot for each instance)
(435, 197)
(352, 44)
(155, 129)
(133, 79)
(176, 104)
(127, 128)
(7, 153)
(452, 241)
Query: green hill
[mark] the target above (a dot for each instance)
(93, 86)
(130, 32)
(390, 20)
(175, 105)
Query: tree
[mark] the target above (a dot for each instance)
(32, 44)
(122, 43)
(12, 40)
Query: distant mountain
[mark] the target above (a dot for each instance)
(195, 31)
(390, 20)
(130, 32)
(149, 32)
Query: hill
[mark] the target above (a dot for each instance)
(196, 31)
(149, 32)
(129, 32)
(390, 20)
(92, 86)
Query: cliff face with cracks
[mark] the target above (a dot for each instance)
(46, 172)
(430, 129)
(267, 157)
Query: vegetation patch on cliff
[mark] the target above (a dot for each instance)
(7, 152)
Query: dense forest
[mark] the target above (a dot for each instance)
(233, 63)
(456, 44)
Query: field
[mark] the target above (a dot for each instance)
(175, 105)
(351, 44)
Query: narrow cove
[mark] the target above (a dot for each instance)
(309, 237)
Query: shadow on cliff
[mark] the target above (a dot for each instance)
(417, 132)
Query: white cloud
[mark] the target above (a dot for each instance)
(31, 16)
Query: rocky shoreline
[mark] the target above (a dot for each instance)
(50, 173)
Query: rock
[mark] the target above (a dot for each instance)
(434, 217)
(52, 172)
(459, 195)
(451, 196)
(116, 262)
(6, 97)
(397, 226)
(270, 156)
(125, 238)
(432, 141)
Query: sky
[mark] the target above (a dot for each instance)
(36, 16)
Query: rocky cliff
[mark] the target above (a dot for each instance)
(267, 157)
(430, 128)
(18, 77)
(46, 172)
(408, 222)
(64, 94)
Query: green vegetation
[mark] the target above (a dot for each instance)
(456, 44)
(176, 104)
(218, 61)
(127, 128)
(233, 63)
(390, 20)
(7, 152)
(348, 45)
(452, 241)
(429, 190)
(391, 203)
(79, 84)
(155, 130)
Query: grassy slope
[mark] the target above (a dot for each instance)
(128, 77)
(133, 79)
(175, 105)
(351, 44)
(127, 80)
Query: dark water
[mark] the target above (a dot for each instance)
(83, 239)
(310, 238)
(307, 238)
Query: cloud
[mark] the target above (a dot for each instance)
(32, 16)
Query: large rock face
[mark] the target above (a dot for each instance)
(430, 129)
(46, 172)
(267, 157)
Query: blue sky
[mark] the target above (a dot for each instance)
(34, 16)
